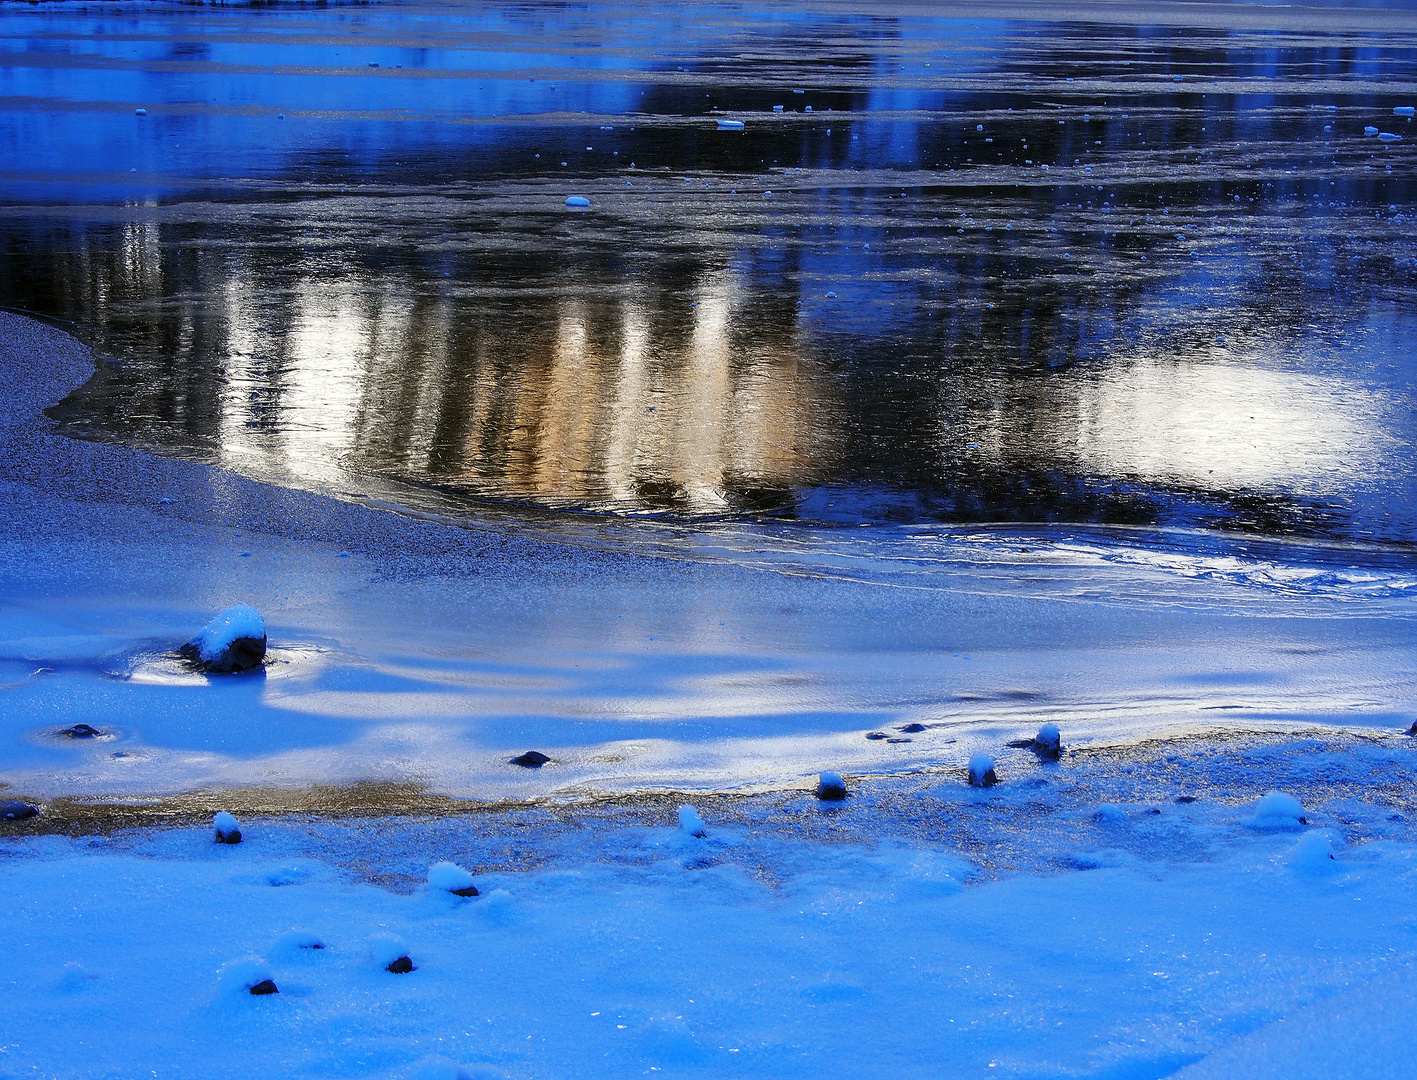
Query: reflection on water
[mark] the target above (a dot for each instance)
(1043, 269)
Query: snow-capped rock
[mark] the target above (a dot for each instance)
(532, 759)
(691, 822)
(390, 953)
(981, 771)
(831, 787)
(247, 975)
(1276, 810)
(451, 878)
(228, 831)
(233, 641)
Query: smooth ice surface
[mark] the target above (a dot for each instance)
(240, 621)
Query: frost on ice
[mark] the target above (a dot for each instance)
(234, 641)
(451, 878)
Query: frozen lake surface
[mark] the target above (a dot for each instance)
(1067, 263)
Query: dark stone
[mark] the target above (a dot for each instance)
(912, 729)
(877, 735)
(265, 986)
(831, 791)
(1043, 750)
(1185, 798)
(899, 740)
(243, 654)
(532, 759)
(1021, 744)
(80, 731)
(17, 811)
(471, 890)
(402, 966)
(232, 837)
(1413, 730)
(989, 779)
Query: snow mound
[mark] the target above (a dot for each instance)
(691, 822)
(222, 632)
(74, 977)
(238, 976)
(452, 878)
(498, 908)
(296, 944)
(441, 1068)
(1313, 855)
(1277, 810)
(1109, 814)
(387, 949)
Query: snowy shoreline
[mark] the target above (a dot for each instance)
(1126, 912)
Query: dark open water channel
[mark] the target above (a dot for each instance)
(1087, 264)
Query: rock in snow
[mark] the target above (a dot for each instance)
(13, 810)
(452, 878)
(831, 787)
(981, 771)
(691, 823)
(532, 759)
(227, 829)
(390, 953)
(1049, 741)
(234, 641)
(247, 975)
(80, 731)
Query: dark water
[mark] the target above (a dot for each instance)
(1073, 264)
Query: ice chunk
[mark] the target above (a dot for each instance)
(1388, 136)
(1402, 110)
(577, 200)
(228, 831)
(452, 878)
(1276, 810)
(1370, 130)
(390, 953)
(831, 786)
(731, 125)
(981, 771)
(246, 975)
(233, 641)
(691, 822)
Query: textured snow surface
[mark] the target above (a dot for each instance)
(1004, 930)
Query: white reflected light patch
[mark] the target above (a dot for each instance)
(1228, 425)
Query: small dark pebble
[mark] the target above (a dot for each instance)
(17, 811)
(1413, 730)
(80, 731)
(1185, 798)
(912, 729)
(471, 890)
(877, 735)
(265, 986)
(532, 759)
(402, 966)
(899, 740)
(232, 837)
(1153, 810)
